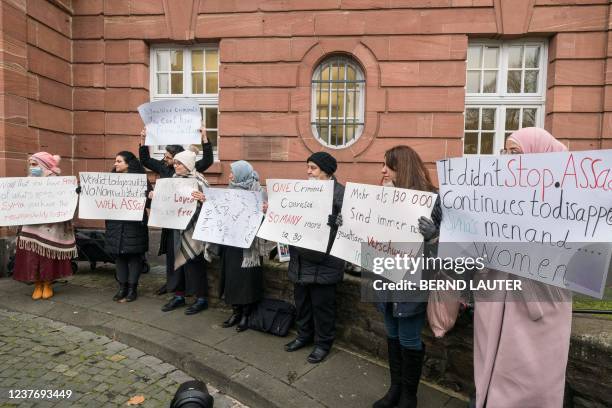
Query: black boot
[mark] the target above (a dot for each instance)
(132, 294)
(392, 397)
(122, 292)
(244, 320)
(412, 363)
(234, 318)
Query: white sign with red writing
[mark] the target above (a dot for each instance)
(112, 196)
(533, 215)
(297, 213)
(383, 218)
(37, 200)
(173, 206)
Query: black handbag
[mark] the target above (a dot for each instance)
(272, 316)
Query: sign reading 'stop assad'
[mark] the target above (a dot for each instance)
(177, 121)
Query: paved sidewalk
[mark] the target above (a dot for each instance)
(250, 366)
(85, 369)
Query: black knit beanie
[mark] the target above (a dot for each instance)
(325, 161)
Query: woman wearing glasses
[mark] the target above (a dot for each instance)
(521, 345)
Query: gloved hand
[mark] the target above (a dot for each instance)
(428, 229)
(78, 190)
(334, 220)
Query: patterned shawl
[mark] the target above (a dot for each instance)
(185, 247)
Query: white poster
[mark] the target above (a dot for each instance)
(37, 200)
(384, 220)
(229, 217)
(175, 121)
(172, 205)
(546, 217)
(297, 213)
(112, 196)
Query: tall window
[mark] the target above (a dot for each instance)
(505, 91)
(188, 72)
(337, 102)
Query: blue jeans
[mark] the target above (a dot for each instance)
(407, 329)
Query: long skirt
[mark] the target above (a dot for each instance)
(239, 286)
(31, 267)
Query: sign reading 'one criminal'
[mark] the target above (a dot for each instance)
(534, 215)
(297, 212)
(37, 200)
(112, 196)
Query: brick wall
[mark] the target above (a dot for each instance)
(78, 70)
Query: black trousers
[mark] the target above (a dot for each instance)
(316, 313)
(129, 268)
(191, 278)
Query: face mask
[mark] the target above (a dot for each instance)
(36, 172)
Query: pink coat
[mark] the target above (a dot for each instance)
(521, 349)
(520, 345)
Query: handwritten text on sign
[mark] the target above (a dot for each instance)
(37, 200)
(173, 206)
(297, 212)
(550, 202)
(112, 196)
(171, 122)
(386, 218)
(229, 217)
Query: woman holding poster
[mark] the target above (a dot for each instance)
(184, 255)
(241, 269)
(44, 251)
(404, 321)
(127, 241)
(165, 169)
(521, 345)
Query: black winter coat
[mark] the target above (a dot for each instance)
(308, 266)
(128, 237)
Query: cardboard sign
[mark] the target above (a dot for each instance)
(229, 217)
(384, 219)
(112, 196)
(533, 215)
(37, 200)
(175, 121)
(297, 213)
(173, 206)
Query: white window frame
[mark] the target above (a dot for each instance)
(204, 100)
(360, 120)
(502, 99)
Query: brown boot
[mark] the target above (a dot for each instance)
(47, 290)
(38, 290)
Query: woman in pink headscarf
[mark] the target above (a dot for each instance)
(44, 251)
(521, 343)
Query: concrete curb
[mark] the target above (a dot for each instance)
(225, 372)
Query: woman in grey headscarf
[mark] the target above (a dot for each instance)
(241, 270)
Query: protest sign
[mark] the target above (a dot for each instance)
(532, 215)
(173, 206)
(297, 212)
(112, 196)
(385, 219)
(229, 217)
(37, 200)
(175, 121)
